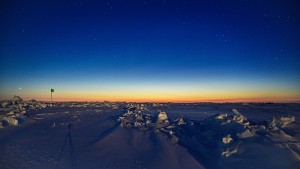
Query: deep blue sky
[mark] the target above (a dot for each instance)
(122, 45)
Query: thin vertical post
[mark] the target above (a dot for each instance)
(52, 90)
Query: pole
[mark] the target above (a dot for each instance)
(52, 90)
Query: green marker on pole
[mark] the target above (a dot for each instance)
(52, 90)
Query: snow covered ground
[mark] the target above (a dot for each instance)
(130, 135)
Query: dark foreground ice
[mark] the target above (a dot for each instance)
(131, 135)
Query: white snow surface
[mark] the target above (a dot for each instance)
(105, 135)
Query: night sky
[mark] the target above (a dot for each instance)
(151, 50)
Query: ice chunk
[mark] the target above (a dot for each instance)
(11, 113)
(227, 139)
(281, 122)
(247, 133)
(17, 99)
(239, 115)
(162, 116)
(162, 120)
(229, 152)
(6, 103)
(11, 120)
(232, 150)
(221, 116)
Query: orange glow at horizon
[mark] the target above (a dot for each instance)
(164, 96)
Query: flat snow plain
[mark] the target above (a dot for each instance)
(202, 135)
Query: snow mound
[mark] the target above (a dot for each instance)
(13, 112)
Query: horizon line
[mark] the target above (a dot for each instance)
(240, 100)
(132, 100)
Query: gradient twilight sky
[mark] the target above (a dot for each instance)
(151, 50)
